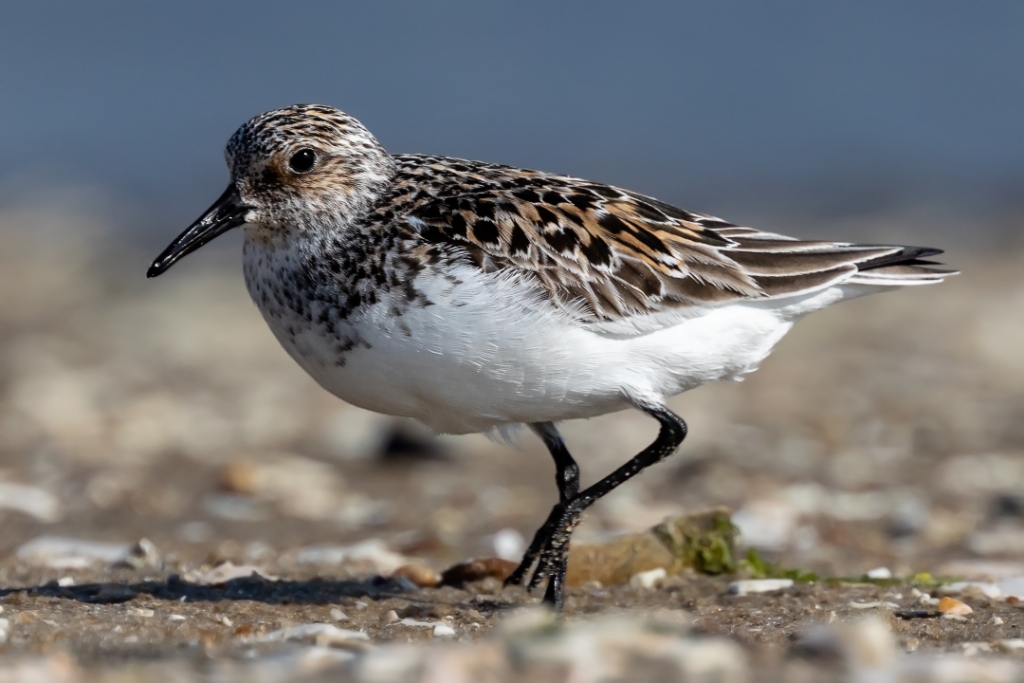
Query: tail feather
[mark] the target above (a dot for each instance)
(909, 266)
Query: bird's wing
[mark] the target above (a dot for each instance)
(606, 254)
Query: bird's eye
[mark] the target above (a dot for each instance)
(302, 161)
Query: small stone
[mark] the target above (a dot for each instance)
(996, 621)
(227, 571)
(879, 573)
(142, 555)
(66, 581)
(420, 576)
(175, 617)
(338, 615)
(443, 631)
(477, 570)
(954, 617)
(508, 544)
(948, 605)
(141, 612)
(748, 586)
(649, 579)
(391, 616)
(362, 605)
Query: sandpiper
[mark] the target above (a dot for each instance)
(473, 296)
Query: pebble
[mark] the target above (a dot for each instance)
(948, 605)
(391, 617)
(418, 575)
(226, 571)
(879, 573)
(142, 555)
(476, 570)
(58, 552)
(443, 631)
(649, 579)
(338, 615)
(30, 500)
(508, 544)
(66, 581)
(5, 624)
(141, 612)
(748, 586)
(996, 621)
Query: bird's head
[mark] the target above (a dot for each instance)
(304, 167)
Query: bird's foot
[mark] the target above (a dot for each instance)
(550, 550)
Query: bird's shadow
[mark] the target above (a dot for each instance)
(317, 591)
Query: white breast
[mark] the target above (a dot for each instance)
(487, 352)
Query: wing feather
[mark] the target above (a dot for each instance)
(605, 254)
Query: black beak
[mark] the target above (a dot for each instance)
(226, 213)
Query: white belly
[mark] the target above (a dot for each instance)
(484, 354)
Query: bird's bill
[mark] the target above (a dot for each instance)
(226, 213)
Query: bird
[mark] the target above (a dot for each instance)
(477, 297)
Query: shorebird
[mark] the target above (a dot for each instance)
(474, 296)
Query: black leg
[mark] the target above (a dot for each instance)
(567, 477)
(551, 543)
(567, 474)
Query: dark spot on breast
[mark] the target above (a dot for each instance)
(552, 198)
(433, 234)
(458, 224)
(485, 231)
(430, 212)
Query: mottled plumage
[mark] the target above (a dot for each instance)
(473, 296)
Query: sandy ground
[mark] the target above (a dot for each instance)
(883, 433)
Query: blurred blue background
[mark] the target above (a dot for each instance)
(786, 111)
